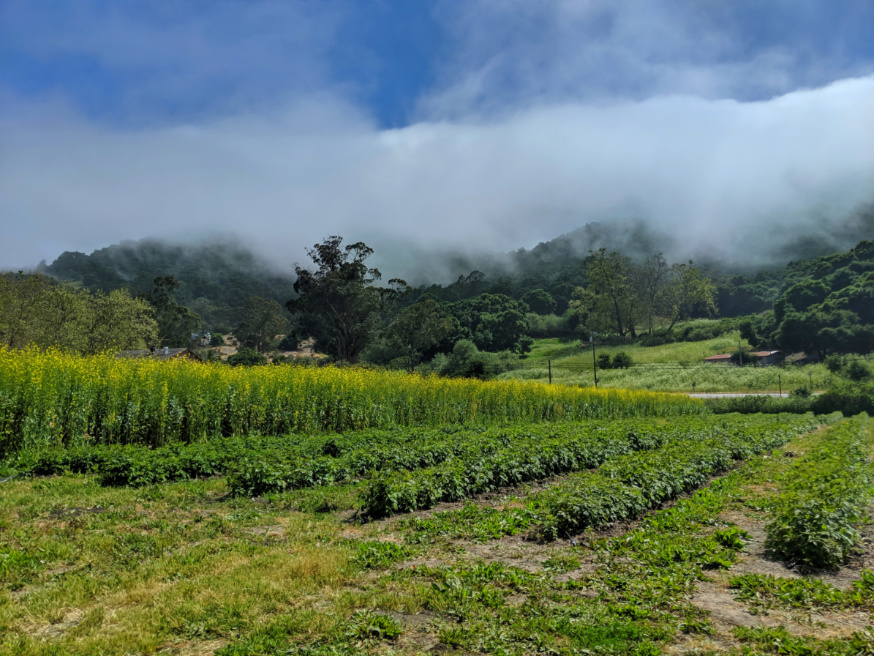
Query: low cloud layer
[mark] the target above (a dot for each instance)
(725, 178)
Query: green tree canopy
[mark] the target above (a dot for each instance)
(539, 301)
(338, 304)
(176, 323)
(262, 321)
(417, 329)
(493, 322)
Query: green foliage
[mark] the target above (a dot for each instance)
(846, 397)
(625, 487)
(215, 278)
(814, 518)
(338, 305)
(35, 310)
(628, 484)
(417, 330)
(539, 301)
(379, 554)
(622, 360)
(777, 640)
(176, 322)
(261, 321)
(247, 357)
(762, 404)
(827, 304)
(493, 322)
(467, 361)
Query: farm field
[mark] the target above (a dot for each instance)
(182, 509)
(638, 535)
(673, 367)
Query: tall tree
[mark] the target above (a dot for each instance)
(176, 322)
(609, 302)
(687, 289)
(338, 304)
(116, 321)
(651, 279)
(262, 321)
(416, 329)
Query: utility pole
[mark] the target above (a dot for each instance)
(550, 371)
(594, 361)
(740, 353)
(780, 385)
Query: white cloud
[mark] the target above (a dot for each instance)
(721, 175)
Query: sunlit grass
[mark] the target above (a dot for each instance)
(676, 367)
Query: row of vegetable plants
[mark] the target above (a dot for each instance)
(815, 517)
(566, 446)
(259, 465)
(131, 465)
(393, 492)
(629, 486)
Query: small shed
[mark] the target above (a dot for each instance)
(767, 358)
(722, 358)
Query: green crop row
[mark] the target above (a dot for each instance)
(828, 489)
(628, 486)
(128, 465)
(491, 468)
(260, 475)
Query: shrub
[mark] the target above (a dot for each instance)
(656, 340)
(848, 398)
(289, 342)
(604, 361)
(622, 361)
(857, 371)
(247, 357)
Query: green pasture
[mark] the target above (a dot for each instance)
(677, 367)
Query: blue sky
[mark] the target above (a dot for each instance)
(435, 124)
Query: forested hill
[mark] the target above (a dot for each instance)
(214, 279)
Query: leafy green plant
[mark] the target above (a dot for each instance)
(814, 518)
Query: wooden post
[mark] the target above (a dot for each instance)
(550, 371)
(594, 361)
(780, 385)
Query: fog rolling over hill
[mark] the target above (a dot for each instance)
(221, 272)
(215, 275)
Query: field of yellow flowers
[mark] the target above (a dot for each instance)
(51, 398)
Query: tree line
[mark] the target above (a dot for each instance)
(339, 301)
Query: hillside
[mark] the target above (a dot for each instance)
(215, 278)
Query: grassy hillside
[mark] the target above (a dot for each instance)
(676, 367)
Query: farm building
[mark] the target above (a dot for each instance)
(768, 357)
(762, 358)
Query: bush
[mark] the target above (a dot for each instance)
(604, 361)
(216, 339)
(289, 342)
(760, 404)
(847, 398)
(247, 357)
(857, 371)
(622, 361)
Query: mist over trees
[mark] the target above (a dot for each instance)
(479, 322)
